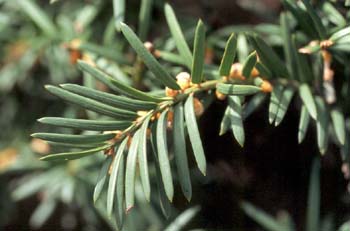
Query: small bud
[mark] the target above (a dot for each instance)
(75, 44)
(198, 107)
(255, 72)
(155, 117)
(266, 87)
(157, 53)
(8, 157)
(171, 92)
(39, 146)
(141, 115)
(183, 80)
(149, 46)
(236, 71)
(326, 44)
(220, 96)
(196, 85)
(74, 55)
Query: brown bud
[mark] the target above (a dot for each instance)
(39, 146)
(157, 53)
(236, 71)
(74, 55)
(183, 80)
(198, 107)
(224, 78)
(149, 46)
(8, 156)
(326, 44)
(255, 72)
(196, 85)
(266, 86)
(219, 95)
(153, 118)
(141, 115)
(75, 44)
(171, 92)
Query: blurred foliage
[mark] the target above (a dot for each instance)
(303, 56)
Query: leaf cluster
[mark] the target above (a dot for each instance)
(136, 123)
